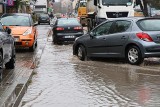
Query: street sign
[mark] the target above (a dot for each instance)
(10, 3)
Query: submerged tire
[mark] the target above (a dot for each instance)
(81, 53)
(11, 63)
(55, 40)
(32, 48)
(1, 60)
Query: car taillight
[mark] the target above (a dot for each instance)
(144, 36)
(59, 28)
(77, 28)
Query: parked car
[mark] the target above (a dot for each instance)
(130, 38)
(66, 29)
(43, 18)
(23, 29)
(7, 48)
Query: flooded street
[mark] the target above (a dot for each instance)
(62, 80)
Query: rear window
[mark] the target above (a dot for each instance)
(149, 24)
(44, 15)
(68, 22)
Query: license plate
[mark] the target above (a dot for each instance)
(69, 36)
(16, 39)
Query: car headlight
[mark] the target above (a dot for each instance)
(27, 32)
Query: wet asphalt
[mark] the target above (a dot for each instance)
(62, 80)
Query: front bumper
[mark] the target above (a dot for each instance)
(23, 42)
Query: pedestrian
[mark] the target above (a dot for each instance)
(34, 17)
(51, 15)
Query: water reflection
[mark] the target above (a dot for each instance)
(100, 86)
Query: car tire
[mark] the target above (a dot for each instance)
(134, 55)
(1, 60)
(81, 53)
(11, 63)
(55, 40)
(36, 43)
(32, 48)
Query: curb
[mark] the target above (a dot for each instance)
(21, 91)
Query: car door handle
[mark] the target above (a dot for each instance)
(123, 37)
(104, 38)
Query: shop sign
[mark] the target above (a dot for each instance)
(10, 2)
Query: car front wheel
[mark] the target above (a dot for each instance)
(134, 55)
(32, 48)
(81, 53)
(55, 41)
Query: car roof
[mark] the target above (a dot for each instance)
(43, 14)
(66, 18)
(10, 14)
(132, 18)
(69, 19)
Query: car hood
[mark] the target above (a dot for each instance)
(83, 38)
(18, 30)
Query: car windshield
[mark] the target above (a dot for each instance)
(117, 2)
(149, 24)
(44, 15)
(15, 20)
(68, 22)
(83, 4)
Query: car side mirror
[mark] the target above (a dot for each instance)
(99, 6)
(35, 24)
(8, 30)
(92, 34)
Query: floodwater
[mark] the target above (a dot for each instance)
(61, 80)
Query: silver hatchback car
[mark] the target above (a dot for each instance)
(131, 38)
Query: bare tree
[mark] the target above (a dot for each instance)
(145, 4)
(151, 3)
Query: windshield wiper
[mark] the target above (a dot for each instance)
(13, 25)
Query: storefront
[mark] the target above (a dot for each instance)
(11, 6)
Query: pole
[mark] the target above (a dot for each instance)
(5, 6)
